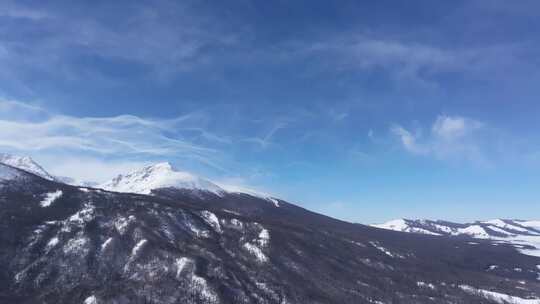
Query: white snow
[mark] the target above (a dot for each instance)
(137, 248)
(256, 246)
(25, 163)
(426, 285)
(212, 220)
(443, 228)
(499, 297)
(197, 284)
(106, 244)
(85, 215)
(245, 190)
(274, 201)
(510, 230)
(499, 230)
(474, 231)
(50, 198)
(403, 226)
(161, 175)
(52, 242)
(397, 225)
(203, 289)
(181, 263)
(198, 232)
(500, 223)
(237, 223)
(256, 251)
(121, 223)
(264, 238)
(90, 300)
(530, 224)
(77, 246)
(385, 251)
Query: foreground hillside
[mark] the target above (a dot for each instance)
(67, 244)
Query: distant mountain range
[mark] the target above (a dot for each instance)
(158, 235)
(524, 235)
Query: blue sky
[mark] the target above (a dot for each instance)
(366, 111)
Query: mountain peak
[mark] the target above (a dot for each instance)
(162, 166)
(160, 175)
(25, 163)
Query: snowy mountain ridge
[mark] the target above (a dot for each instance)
(522, 234)
(142, 181)
(25, 163)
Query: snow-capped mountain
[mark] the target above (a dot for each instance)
(157, 176)
(524, 235)
(25, 163)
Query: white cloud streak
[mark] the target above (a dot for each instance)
(124, 135)
(414, 62)
(265, 141)
(451, 137)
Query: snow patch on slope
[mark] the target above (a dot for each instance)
(502, 224)
(475, 231)
(255, 247)
(401, 225)
(498, 297)
(90, 300)
(244, 190)
(212, 220)
(50, 198)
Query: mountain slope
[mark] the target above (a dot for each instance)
(8, 173)
(524, 235)
(64, 244)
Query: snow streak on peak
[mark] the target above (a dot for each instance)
(161, 175)
(244, 190)
(25, 163)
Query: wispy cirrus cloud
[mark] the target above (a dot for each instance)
(35, 129)
(414, 62)
(266, 140)
(54, 42)
(450, 137)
